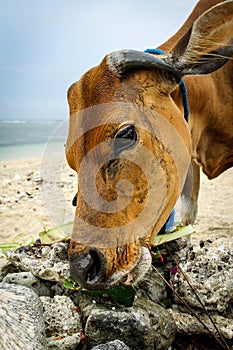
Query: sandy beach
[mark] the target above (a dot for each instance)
(23, 206)
(24, 209)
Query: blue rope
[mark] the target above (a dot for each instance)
(183, 88)
(155, 51)
(185, 100)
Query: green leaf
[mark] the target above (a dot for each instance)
(46, 236)
(18, 241)
(8, 246)
(156, 255)
(167, 237)
(56, 233)
(122, 294)
(70, 284)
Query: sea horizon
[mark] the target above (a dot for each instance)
(23, 139)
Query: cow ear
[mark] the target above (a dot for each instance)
(209, 43)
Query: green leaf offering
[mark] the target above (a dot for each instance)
(56, 233)
(70, 284)
(123, 295)
(18, 241)
(181, 231)
(8, 246)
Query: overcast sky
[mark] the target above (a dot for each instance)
(46, 45)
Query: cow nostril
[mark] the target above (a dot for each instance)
(86, 268)
(74, 201)
(93, 267)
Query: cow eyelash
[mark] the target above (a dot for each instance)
(124, 139)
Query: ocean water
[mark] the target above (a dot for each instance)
(22, 139)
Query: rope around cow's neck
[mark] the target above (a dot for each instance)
(183, 88)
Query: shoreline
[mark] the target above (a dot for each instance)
(27, 151)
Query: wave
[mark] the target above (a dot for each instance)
(13, 121)
(46, 122)
(24, 132)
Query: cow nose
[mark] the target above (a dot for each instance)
(86, 268)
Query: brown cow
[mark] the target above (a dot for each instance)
(127, 125)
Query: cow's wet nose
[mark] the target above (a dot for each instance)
(86, 268)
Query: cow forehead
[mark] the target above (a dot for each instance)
(101, 85)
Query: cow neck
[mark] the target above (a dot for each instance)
(183, 88)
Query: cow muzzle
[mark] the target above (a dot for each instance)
(93, 268)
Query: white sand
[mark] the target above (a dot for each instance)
(23, 208)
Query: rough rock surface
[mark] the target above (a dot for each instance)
(61, 320)
(69, 318)
(189, 325)
(47, 262)
(67, 323)
(27, 279)
(209, 270)
(21, 319)
(69, 342)
(6, 267)
(152, 287)
(60, 315)
(112, 345)
(146, 325)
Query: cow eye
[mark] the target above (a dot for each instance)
(125, 139)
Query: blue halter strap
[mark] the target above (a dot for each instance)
(183, 88)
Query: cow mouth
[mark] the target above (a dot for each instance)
(135, 274)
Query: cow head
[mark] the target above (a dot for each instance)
(130, 145)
